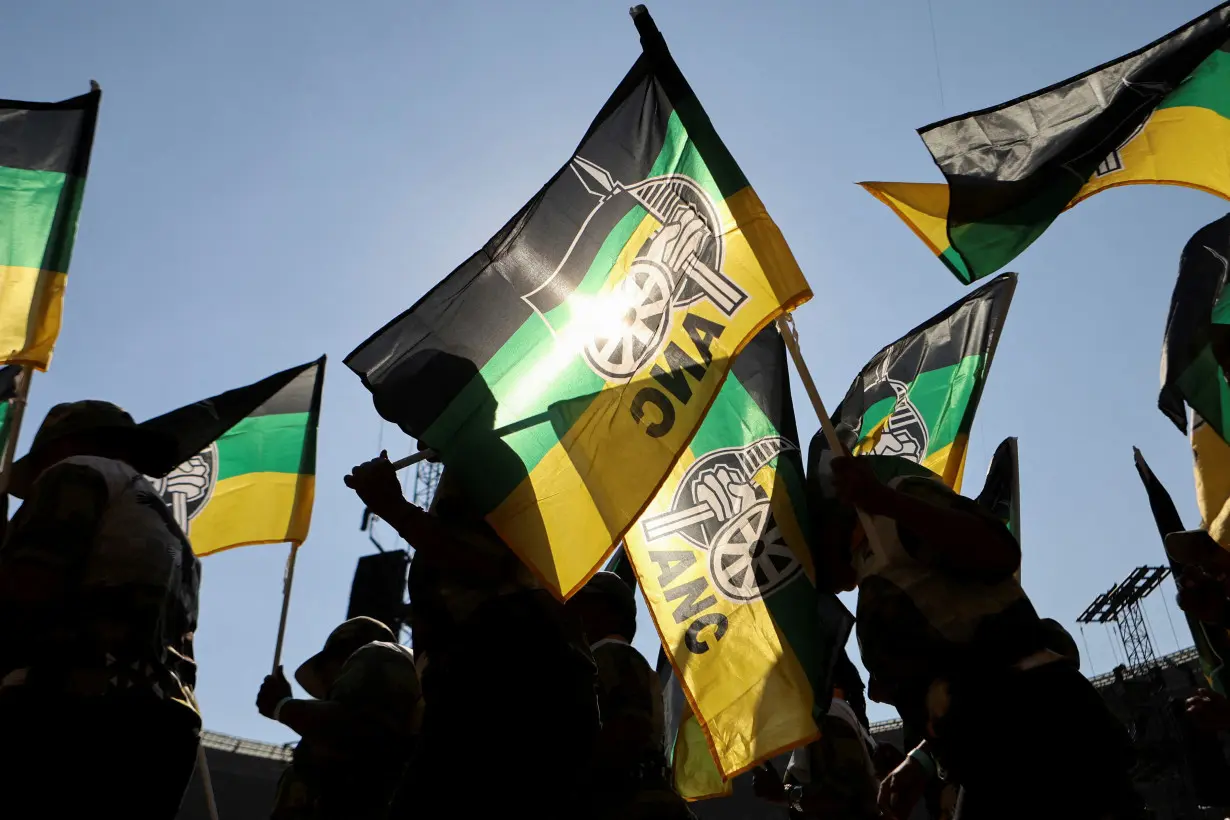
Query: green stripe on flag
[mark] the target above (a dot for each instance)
(264, 444)
(934, 392)
(1207, 87)
(31, 199)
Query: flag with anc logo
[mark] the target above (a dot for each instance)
(44, 156)
(8, 392)
(249, 462)
(1211, 642)
(1160, 115)
(1211, 460)
(608, 308)
(1196, 346)
(917, 397)
(723, 561)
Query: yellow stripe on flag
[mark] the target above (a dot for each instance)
(31, 306)
(1183, 146)
(1211, 462)
(575, 505)
(254, 508)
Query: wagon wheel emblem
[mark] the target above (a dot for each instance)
(749, 557)
(646, 290)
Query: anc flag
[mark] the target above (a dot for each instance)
(1211, 642)
(1211, 460)
(1159, 115)
(609, 306)
(917, 397)
(1195, 349)
(44, 156)
(252, 479)
(8, 392)
(722, 558)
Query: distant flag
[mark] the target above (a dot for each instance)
(1158, 115)
(723, 560)
(8, 392)
(917, 397)
(611, 306)
(249, 462)
(1211, 642)
(1195, 350)
(44, 157)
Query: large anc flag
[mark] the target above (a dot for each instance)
(1196, 346)
(722, 558)
(599, 322)
(1160, 115)
(917, 397)
(249, 462)
(1212, 643)
(44, 156)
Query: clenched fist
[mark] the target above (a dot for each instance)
(724, 492)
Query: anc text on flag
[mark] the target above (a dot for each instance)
(1211, 642)
(917, 397)
(611, 306)
(253, 477)
(722, 558)
(1194, 348)
(44, 157)
(1159, 115)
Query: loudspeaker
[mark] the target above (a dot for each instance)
(379, 588)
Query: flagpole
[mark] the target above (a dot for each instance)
(785, 326)
(19, 411)
(286, 584)
(207, 783)
(508, 429)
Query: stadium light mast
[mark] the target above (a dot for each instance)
(1121, 605)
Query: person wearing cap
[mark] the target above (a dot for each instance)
(630, 777)
(98, 606)
(952, 641)
(500, 660)
(358, 730)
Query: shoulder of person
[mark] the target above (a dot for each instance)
(72, 487)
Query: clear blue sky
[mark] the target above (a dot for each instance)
(275, 180)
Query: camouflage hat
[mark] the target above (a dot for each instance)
(148, 451)
(342, 642)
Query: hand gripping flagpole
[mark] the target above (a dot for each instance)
(785, 324)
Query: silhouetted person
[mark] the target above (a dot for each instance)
(98, 604)
(506, 674)
(630, 777)
(951, 639)
(358, 730)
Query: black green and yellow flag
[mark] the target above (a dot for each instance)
(1212, 643)
(609, 306)
(722, 558)
(44, 156)
(917, 397)
(1160, 115)
(8, 392)
(252, 479)
(1195, 350)
(1001, 492)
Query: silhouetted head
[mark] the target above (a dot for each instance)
(605, 606)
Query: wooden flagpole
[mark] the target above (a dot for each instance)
(287, 581)
(786, 326)
(207, 783)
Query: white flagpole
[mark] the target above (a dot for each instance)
(786, 326)
(286, 585)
